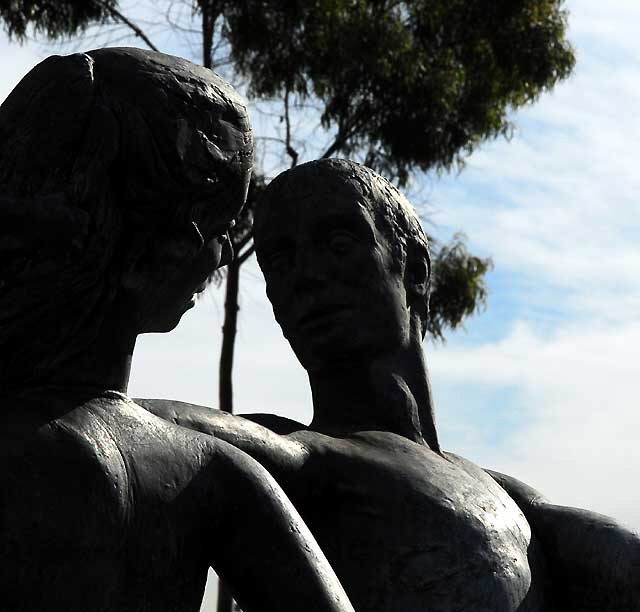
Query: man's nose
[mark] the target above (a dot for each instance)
(309, 270)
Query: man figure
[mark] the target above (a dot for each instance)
(406, 526)
(120, 173)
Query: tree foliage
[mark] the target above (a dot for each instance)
(401, 86)
(457, 287)
(53, 18)
(410, 85)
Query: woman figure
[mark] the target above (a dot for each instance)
(120, 172)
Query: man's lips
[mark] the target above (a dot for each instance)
(320, 315)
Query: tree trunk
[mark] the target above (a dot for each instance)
(210, 14)
(225, 382)
(225, 600)
(208, 23)
(229, 329)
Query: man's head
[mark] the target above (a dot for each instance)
(345, 259)
(120, 170)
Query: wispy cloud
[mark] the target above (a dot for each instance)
(15, 62)
(544, 386)
(557, 207)
(559, 203)
(575, 398)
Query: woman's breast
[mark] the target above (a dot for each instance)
(80, 531)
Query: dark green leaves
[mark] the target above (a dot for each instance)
(54, 18)
(408, 85)
(458, 286)
(403, 86)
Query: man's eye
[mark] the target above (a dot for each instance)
(277, 259)
(341, 241)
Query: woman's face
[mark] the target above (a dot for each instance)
(177, 257)
(171, 270)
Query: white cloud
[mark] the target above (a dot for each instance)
(15, 62)
(578, 403)
(557, 208)
(558, 205)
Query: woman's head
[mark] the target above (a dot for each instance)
(117, 168)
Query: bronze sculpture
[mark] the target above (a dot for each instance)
(120, 172)
(405, 525)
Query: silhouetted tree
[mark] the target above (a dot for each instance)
(403, 87)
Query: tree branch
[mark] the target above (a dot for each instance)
(168, 15)
(244, 242)
(291, 152)
(338, 142)
(248, 253)
(116, 14)
(208, 25)
(270, 139)
(342, 136)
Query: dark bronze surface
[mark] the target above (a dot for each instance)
(406, 526)
(120, 171)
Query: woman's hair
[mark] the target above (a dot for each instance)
(393, 215)
(97, 150)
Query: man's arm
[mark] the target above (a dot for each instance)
(594, 561)
(279, 454)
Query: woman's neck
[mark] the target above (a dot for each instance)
(103, 364)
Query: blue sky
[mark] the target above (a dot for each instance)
(544, 385)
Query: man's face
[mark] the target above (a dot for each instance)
(331, 280)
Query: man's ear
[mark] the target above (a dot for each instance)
(417, 273)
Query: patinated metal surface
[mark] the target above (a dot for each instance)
(405, 525)
(120, 171)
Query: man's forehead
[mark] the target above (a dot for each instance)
(312, 207)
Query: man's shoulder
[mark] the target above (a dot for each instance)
(234, 428)
(278, 424)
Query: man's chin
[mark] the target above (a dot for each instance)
(328, 357)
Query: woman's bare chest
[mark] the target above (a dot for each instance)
(75, 520)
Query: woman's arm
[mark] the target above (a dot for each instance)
(262, 548)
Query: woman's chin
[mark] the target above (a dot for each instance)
(169, 322)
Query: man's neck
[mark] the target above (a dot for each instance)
(388, 393)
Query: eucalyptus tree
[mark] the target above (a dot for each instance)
(406, 87)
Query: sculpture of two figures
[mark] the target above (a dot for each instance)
(120, 172)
